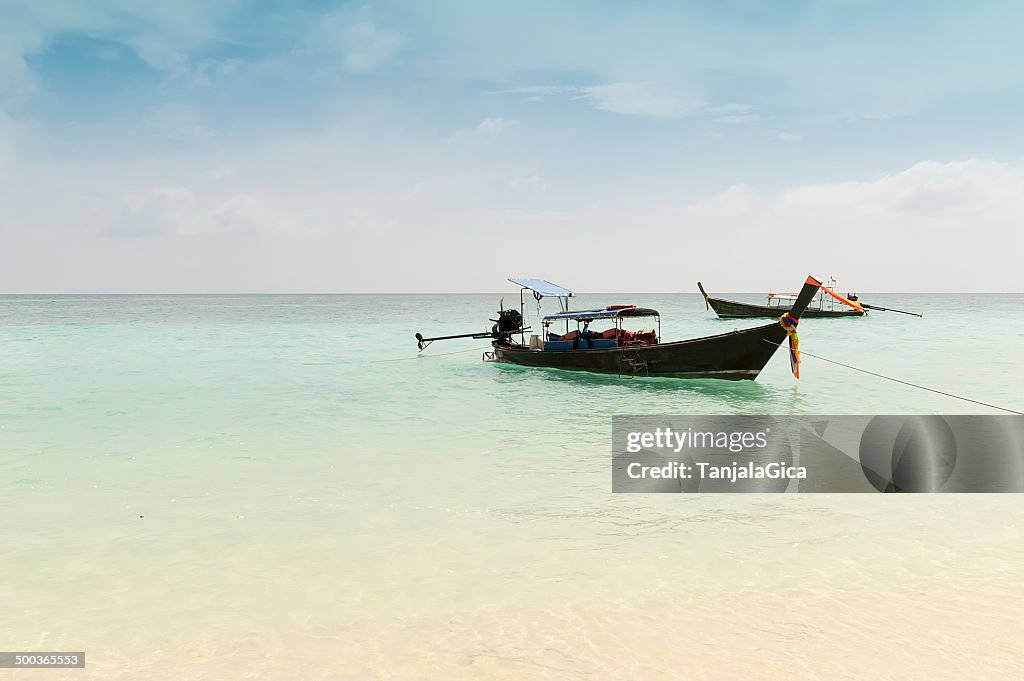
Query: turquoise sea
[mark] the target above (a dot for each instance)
(280, 487)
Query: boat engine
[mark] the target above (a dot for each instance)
(507, 322)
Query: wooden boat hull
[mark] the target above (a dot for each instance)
(737, 355)
(731, 309)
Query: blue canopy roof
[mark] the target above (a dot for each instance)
(586, 315)
(543, 287)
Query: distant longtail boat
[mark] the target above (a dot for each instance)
(827, 303)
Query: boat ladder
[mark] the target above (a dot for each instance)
(632, 366)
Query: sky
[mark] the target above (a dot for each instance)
(443, 146)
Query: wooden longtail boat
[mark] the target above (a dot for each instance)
(827, 303)
(736, 355)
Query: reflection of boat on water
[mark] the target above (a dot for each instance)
(827, 303)
(739, 354)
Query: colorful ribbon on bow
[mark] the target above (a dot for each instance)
(789, 323)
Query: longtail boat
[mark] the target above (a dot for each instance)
(827, 303)
(736, 355)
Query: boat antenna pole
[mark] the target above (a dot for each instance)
(522, 314)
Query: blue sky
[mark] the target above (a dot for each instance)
(442, 146)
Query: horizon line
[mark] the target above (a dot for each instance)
(439, 293)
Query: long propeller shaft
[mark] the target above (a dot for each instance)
(424, 342)
(888, 309)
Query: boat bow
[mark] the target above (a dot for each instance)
(805, 296)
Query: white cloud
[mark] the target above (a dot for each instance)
(643, 99)
(529, 182)
(242, 213)
(734, 113)
(158, 211)
(178, 122)
(955, 189)
(538, 92)
(17, 42)
(738, 119)
(522, 217)
(222, 171)
(161, 34)
(382, 162)
(205, 73)
(496, 126)
(160, 54)
(735, 201)
(362, 44)
(925, 227)
(927, 190)
(631, 98)
(177, 210)
(487, 132)
(837, 59)
(10, 132)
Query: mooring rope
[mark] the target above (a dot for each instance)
(443, 354)
(897, 380)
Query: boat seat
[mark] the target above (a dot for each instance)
(593, 344)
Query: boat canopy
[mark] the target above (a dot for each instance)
(543, 287)
(588, 315)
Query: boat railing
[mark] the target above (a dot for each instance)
(817, 303)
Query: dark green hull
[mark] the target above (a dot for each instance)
(736, 355)
(731, 309)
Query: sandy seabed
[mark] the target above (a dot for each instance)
(910, 631)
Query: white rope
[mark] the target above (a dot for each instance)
(896, 380)
(443, 354)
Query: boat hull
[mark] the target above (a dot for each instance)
(738, 355)
(731, 309)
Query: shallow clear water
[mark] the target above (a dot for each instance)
(200, 486)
